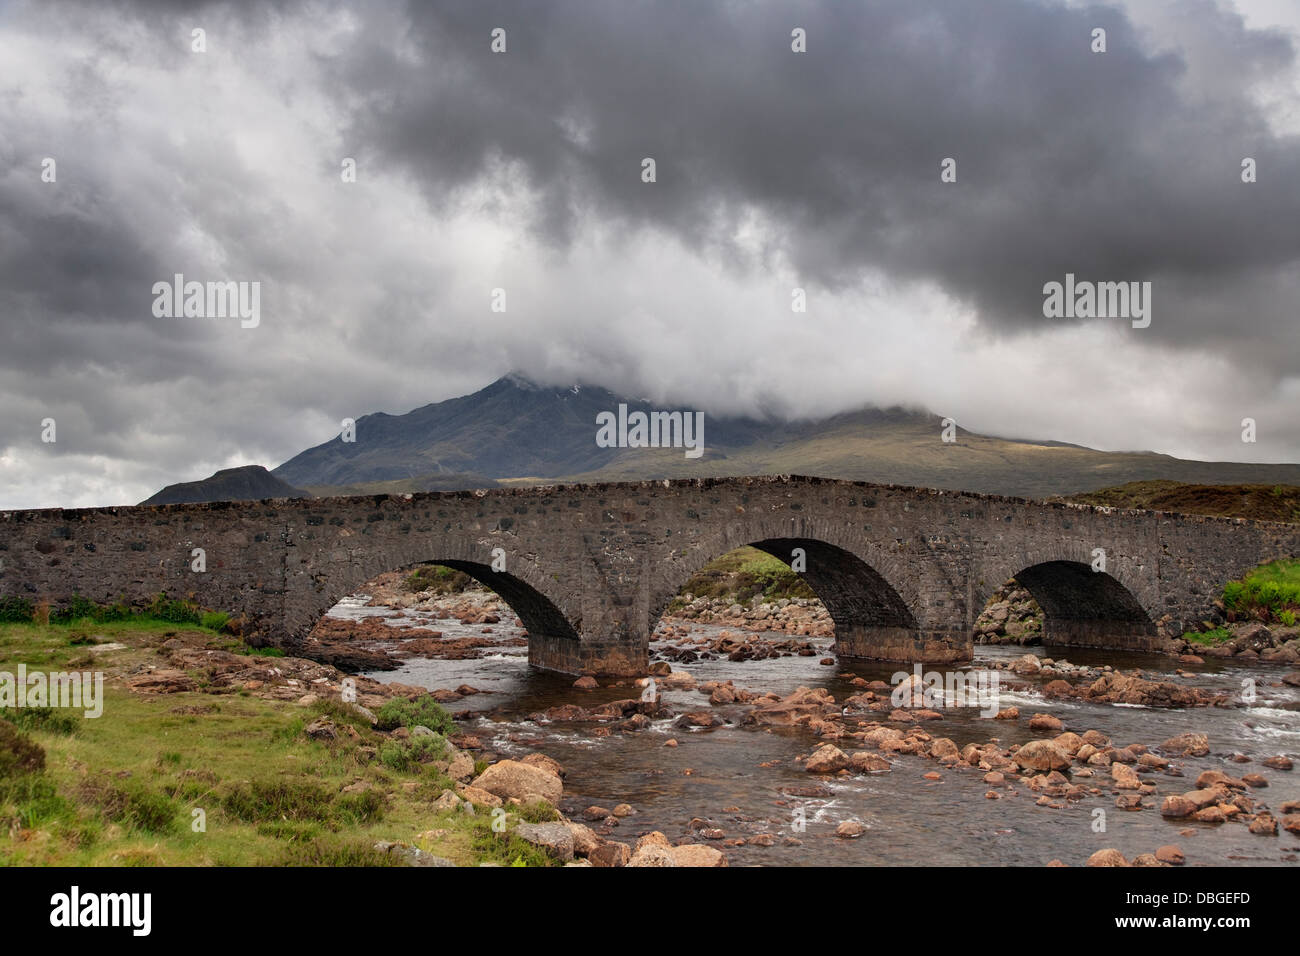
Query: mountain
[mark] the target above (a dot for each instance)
(512, 429)
(517, 432)
(247, 483)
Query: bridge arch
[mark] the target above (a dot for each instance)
(853, 591)
(869, 594)
(547, 616)
(1083, 607)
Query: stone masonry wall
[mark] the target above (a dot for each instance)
(903, 571)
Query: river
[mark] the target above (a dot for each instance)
(715, 775)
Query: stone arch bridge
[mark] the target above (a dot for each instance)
(903, 572)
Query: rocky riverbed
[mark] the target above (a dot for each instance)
(759, 744)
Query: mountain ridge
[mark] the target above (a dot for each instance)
(243, 483)
(517, 432)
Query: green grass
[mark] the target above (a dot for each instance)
(505, 848)
(282, 801)
(340, 713)
(15, 610)
(1209, 638)
(87, 613)
(423, 711)
(405, 755)
(439, 579)
(262, 651)
(743, 574)
(334, 853)
(136, 805)
(539, 811)
(51, 719)
(1270, 593)
(122, 789)
(214, 620)
(33, 801)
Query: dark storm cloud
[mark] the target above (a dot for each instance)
(1105, 165)
(523, 169)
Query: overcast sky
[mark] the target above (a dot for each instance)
(522, 170)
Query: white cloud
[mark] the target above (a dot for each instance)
(227, 163)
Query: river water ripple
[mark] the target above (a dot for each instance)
(909, 820)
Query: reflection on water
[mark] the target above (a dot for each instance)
(908, 819)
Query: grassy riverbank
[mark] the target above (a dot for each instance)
(1268, 595)
(217, 776)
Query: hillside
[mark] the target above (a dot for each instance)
(1261, 502)
(247, 483)
(517, 432)
(452, 481)
(511, 429)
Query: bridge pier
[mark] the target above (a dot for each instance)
(904, 644)
(1111, 635)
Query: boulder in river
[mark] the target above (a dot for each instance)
(653, 849)
(1069, 742)
(1186, 745)
(1028, 664)
(1264, 824)
(1107, 857)
(827, 759)
(1217, 778)
(1177, 808)
(1170, 853)
(943, 747)
(1125, 777)
(697, 854)
(1118, 688)
(611, 854)
(799, 707)
(585, 841)
(1042, 755)
(545, 762)
(863, 761)
(524, 782)
(850, 830)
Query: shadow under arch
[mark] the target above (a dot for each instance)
(872, 621)
(853, 592)
(539, 616)
(1087, 608)
(553, 640)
